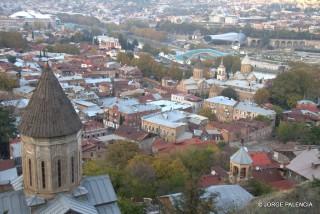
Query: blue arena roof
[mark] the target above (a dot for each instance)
(227, 37)
(193, 53)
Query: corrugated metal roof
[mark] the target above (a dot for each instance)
(227, 197)
(100, 189)
(64, 203)
(100, 198)
(108, 209)
(17, 183)
(14, 203)
(34, 200)
(79, 191)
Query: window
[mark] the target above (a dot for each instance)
(59, 172)
(72, 169)
(43, 174)
(30, 172)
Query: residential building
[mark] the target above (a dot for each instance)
(305, 166)
(93, 149)
(221, 106)
(249, 130)
(172, 125)
(107, 43)
(247, 110)
(194, 101)
(167, 105)
(126, 113)
(93, 129)
(129, 72)
(227, 109)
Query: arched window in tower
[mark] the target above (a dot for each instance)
(59, 172)
(43, 174)
(30, 172)
(72, 169)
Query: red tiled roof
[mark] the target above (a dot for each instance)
(260, 159)
(208, 180)
(6, 164)
(131, 133)
(267, 175)
(90, 144)
(283, 184)
(92, 125)
(213, 179)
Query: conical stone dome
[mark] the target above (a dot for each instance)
(49, 113)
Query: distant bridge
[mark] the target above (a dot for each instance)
(285, 43)
(186, 57)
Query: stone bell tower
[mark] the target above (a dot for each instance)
(222, 72)
(51, 146)
(240, 166)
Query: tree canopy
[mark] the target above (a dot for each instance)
(301, 82)
(230, 92)
(12, 40)
(298, 131)
(150, 67)
(207, 112)
(7, 130)
(64, 48)
(7, 83)
(262, 96)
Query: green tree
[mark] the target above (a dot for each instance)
(129, 207)
(149, 49)
(301, 82)
(7, 130)
(313, 136)
(119, 153)
(12, 59)
(171, 174)
(7, 83)
(198, 161)
(258, 188)
(230, 92)
(140, 178)
(291, 131)
(64, 48)
(207, 112)
(12, 40)
(191, 201)
(125, 59)
(262, 118)
(175, 72)
(262, 96)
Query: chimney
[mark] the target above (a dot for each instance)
(242, 142)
